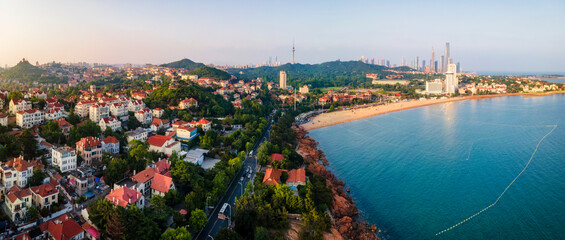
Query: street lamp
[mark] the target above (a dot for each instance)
(207, 197)
(229, 218)
(241, 185)
(210, 237)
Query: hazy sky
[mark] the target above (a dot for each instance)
(484, 35)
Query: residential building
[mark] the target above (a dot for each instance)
(143, 181)
(196, 156)
(17, 202)
(111, 122)
(205, 124)
(186, 133)
(40, 94)
(144, 116)
(4, 119)
(126, 196)
(304, 89)
(82, 108)
(158, 123)
(296, 177)
(15, 172)
(187, 103)
(111, 145)
(81, 182)
(158, 112)
(29, 118)
(282, 80)
(136, 106)
(45, 195)
(54, 114)
(65, 158)
(64, 126)
(137, 134)
(451, 81)
(434, 87)
(272, 176)
(63, 228)
(90, 149)
(98, 111)
(18, 105)
(163, 144)
(161, 185)
(119, 110)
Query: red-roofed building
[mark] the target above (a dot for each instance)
(111, 144)
(158, 123)
(18, 105)
(144, 116)
(163, 167)
(163, 144)
(126, 196)
(90, 149)
(272, 176)
(296, 177)
(111, 122)
(158, 112)
(98, 111)
(276, 157)
(161, 185)
(187, 103)
(63, 228)
(205, 124)
(64, 126)
(29, 118)
(45, 195)
(15, 172)
(143, 181)
(17, 202)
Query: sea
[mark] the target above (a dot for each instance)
(476, 169)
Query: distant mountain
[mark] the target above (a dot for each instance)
(184, 63)
(318, 75)
(23, 71)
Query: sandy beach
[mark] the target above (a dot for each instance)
(342, 116)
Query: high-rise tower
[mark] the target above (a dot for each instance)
(432, 69)
(292, 54)
(447, 57)
(451, 81)
(282, 80)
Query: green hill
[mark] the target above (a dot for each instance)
(211, 72)
(184, 63)
(23, 71)
(328, 74)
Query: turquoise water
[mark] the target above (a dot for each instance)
(418, 172)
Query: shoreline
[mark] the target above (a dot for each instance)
(343, 116)
(346, 222)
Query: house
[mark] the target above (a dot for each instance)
(196, 156)
(157, 124)
(161, 185)
(29, 118)
(15, 172)
(81, 182)
(304, 89)
(186, 133)
(17, 202)
(18, 105)
(98, 111)
(125, 196)
(90, 232)
(163, 144)
(119, 110)
(109, 101)
(90, 149)
(40, 94)
(136, 106)
(296, 177)
(144, 116)
(83, 108)
(158, 112)
(111, 122)
(205, 124)
(276, 157)
(143, 181)
(179, 123)
(137, 134)
(65, 158)
(111, 145)
(64, 126)
(163, 167)
(45, 195)
(54, 114)
(272, 176)
(4, 119)
(187, 103)
(63, 228)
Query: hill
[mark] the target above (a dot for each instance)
(23, 71)
(328, 74)
(184, 63)
(211, 72)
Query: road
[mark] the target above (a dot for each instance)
(235, 189)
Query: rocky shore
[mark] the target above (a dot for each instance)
(344, 212)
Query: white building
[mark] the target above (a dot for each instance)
(136, 106)
(18, 105)
(111, 122)
(119, 110)
(15, 172)
(111, 144)
(29, 118)
(282, 80)
(4, 119)
(54, 114)
(83, 108)
(99, 111)
(163, 144)
(451, 81)
(196, 156)
(187, 103)
(205, 124)
(304, 89)
(158, 112)
(144, 116)
(434, 87)
(186, 133)
(65, 158)
(137, 134)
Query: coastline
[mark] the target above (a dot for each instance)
(344, 214)
(343, 116)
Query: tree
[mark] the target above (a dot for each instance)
(37, 177)
(133, 123)
(114, 227)
(29, 144)
(179, 233)
(197, 220)
(227, 234)
(261, 233)
(139, 226)
(100, 213)
(33, 213)
(73, 118)
(116, 170)
(52, 133)
(284, 176)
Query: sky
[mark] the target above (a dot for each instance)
(512, 36)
